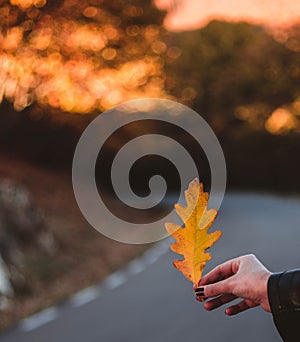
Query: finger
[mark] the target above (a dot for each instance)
(216, 289)
(200, 299)
(218, 301)
(239, 307)
(220, 272)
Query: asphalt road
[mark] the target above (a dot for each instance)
(150, 301)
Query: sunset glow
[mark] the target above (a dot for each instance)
(84, 56)
(74, 64)
(192, 14)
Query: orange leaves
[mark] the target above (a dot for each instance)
(77, 57)
(193, 240)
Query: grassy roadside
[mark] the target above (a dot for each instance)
(83, 256)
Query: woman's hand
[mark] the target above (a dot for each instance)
(244, 277)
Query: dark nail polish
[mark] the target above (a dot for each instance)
(200, 294)
(199, 289)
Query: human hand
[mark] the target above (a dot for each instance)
(243, 277)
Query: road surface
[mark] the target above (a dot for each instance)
(150, 301)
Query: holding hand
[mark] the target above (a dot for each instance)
(243, 277)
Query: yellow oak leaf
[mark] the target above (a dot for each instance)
(193, 239)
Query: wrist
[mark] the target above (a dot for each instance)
(265, 304)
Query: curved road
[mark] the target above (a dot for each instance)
(150, 301)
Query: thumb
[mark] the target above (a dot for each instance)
(216, 289)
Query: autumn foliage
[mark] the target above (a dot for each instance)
(193, 240)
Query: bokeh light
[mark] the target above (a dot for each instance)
(78, 60)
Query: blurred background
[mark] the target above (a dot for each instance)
(64, 62)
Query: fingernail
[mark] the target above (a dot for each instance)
(200, 294)
(200, 299)
(201, 289)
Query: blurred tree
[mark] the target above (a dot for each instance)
(245, 82)
(80, 56)
(68, 57)
(238, 73)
